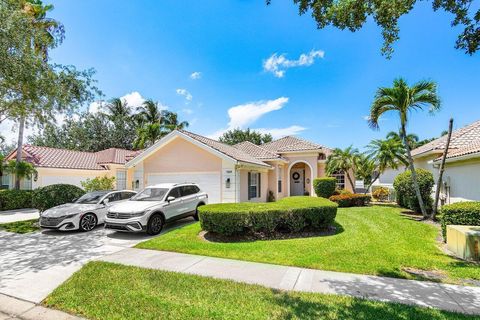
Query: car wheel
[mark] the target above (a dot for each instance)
(155, 224)
(88, 222)
(195, 216)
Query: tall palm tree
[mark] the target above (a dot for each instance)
(365, 167)
(388, 153)
(117, 109)
(49, 30)
(402, 99)
(412, 138)
(170, 121)
(149, 112)
(21, 170)
(343, 161)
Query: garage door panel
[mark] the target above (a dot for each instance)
(208, 182)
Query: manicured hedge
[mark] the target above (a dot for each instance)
(351, 200)
(460, 213)
(54, 195)
(291, 214)
(324, 187)
(405, 191)
(15, 199)
(381, 194)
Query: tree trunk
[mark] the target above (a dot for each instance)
(371, 183)
(21, 128)
(442, 168)
(414, 173)
(351, 182)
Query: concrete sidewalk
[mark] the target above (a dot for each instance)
(428, 294)
(18, 215)
(12, 308)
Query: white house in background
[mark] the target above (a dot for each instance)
(461, 178)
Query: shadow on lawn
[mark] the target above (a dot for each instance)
(214, 237)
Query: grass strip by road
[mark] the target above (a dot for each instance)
(102, 290)
(25, 226)
(375, 240)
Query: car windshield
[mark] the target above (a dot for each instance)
(91, 197)
(150, 194)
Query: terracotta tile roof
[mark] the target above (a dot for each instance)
(70, 159)
(461, 138)
(290, 143)
(473, 148)
(256, 151)
(226, 149)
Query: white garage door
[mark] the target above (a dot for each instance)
(208, 182)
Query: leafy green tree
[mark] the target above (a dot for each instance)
(98, 184)
(353, 14)
(235, 136)
(343, 160)
(170, 122)
(402, 99)
(147, 135)
(21, 170)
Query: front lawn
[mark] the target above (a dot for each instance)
(103, 290)
(25, 226)
(374, 240)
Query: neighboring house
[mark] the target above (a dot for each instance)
(243, 172)
(461, 177)
(66, 166)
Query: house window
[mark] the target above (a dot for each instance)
(5, 182)
(340, 176)
(254, 185)
(121, 180)
(280, 178)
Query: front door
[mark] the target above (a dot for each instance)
(297, 182)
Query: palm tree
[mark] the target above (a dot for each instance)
(147, 135)
(365, 169)
(117, 109)
(411, 138)
(388, 153)
(403, 99)
(21, 170)
(170, 121)
(149, 112)
(343, 161)
(49, 29)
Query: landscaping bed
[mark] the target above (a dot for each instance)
(374, 240)
(25, 226)
(288, 215)
(123, 292)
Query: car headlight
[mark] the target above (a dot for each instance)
(140, 214)
(68, 216)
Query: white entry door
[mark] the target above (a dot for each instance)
(208, 182)
(297, 182)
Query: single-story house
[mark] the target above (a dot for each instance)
(67, 166)
(243, 172)
(461, 178)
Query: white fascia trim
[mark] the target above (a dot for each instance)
(248, 165)
(306, 152)
(460, 158)
(168, 138)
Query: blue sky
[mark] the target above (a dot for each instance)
(153, 47)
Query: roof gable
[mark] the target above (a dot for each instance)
(292, 144)
(256, 151)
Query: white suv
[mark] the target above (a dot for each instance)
(151, 208)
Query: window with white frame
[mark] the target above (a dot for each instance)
(121, 180)
(340, 176)
(280, 178)
(254, 185)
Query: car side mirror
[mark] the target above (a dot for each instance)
(74, 199)
(170, 198)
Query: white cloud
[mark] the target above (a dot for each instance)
(9, 131)
(244, 115)
(196, 75)
(133, 99)
(187, 111)
(185, 93)
(278, 64)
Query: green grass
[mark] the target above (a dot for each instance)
(21, 226)
(374, 240)
(103, 290)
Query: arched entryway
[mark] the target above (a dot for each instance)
(300, 177)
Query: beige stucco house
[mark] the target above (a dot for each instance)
(461, 178)
(243, 172)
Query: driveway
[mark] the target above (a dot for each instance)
(33, 265)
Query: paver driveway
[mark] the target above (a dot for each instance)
(33, 265)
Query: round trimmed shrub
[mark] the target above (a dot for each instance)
(351, 199)
(406, 197)
(324, 187)
(291, 214)
(381, 194)
(460, 213)
(53, 195)
(15, 199)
